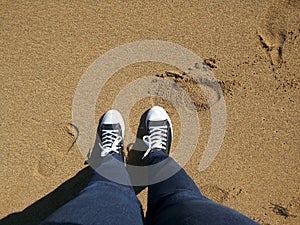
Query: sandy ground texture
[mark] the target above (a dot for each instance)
(251, 46)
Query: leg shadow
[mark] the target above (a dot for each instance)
(40, 210)
(135, 154)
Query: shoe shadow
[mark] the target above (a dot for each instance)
(94, 155)
(41, 209)
(136, 152)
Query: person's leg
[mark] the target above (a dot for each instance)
(101, 202)
(109, 197)
(178, 201)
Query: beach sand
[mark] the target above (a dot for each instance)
(252, 48)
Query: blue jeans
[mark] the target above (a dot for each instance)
(175, 201)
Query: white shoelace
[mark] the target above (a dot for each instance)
(110, 142)
(157, 139)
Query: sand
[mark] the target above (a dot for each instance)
(252, 48)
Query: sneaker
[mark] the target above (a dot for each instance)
(111, 134)
(159, 129)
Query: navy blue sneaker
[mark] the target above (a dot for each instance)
(159, 131)
(111, 134)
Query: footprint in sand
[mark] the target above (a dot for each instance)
(60, 139)
(272, 31)
(215, 193)
(47, 164)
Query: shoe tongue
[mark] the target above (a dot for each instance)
(157, 123)
(110, 127)
(153, 124)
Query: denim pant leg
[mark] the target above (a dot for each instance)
(102, 202)
(178, 201)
